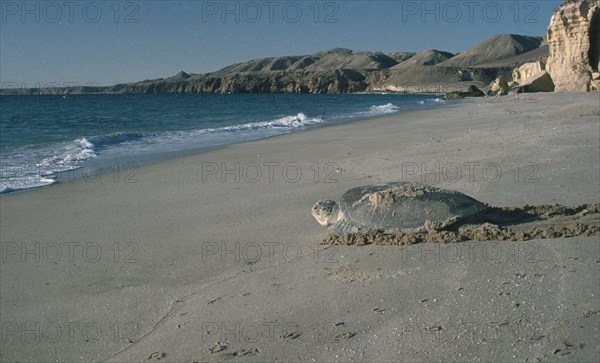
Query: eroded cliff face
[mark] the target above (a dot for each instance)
(574, 40)
(338, 81)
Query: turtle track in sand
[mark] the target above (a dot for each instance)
(499, 224)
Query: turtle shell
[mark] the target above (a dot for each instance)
(404, 205)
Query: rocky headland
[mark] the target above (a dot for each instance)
(574, 41)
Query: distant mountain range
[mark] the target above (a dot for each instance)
(342, 70)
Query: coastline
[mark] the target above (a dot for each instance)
(129, 158)
(165, 276)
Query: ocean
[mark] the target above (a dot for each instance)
(42, 137)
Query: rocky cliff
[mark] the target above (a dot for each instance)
(574, 42)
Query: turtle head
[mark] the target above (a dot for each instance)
(326, 212)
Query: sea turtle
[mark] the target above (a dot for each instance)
(395, 206)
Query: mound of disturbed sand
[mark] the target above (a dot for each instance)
(503, 224)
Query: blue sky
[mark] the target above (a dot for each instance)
(106, 42)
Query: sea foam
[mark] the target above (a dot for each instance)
(149, 134)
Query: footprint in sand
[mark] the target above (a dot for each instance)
(213, 301)
(219, 347)
(241, 352)
(157, 356)
(344, 336)
(291, 336)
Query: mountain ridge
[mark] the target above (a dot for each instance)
(342, 70)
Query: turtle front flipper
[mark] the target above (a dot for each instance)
(343, 228)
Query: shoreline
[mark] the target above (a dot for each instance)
(91, 168)
(200, 246)
(422, 176)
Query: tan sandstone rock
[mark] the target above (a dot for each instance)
(498, 87)
(528, 71)
(574, 41)
(542, 82)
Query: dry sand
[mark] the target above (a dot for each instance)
(184, 266)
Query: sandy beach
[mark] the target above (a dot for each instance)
(215, 256)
